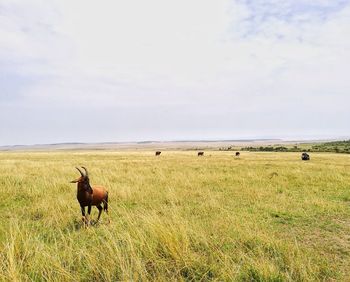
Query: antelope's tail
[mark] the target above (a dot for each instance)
(105, 204)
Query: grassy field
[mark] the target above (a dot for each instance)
(262, 217)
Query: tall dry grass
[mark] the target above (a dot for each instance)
(262, 217)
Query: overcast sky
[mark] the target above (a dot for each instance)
(94, 71)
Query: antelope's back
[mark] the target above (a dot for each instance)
(99, 193)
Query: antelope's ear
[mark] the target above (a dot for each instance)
(75, 181)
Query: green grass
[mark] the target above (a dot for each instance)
(262, 217)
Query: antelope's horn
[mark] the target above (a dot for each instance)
(80, 171)
(86, 172)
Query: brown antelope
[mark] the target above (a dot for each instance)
(200, 154)
(90, 196)
(158, 153)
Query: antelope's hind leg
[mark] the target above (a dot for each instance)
(99, 207)
(105, 207)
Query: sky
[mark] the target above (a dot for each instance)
(110, 70)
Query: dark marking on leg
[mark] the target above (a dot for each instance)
(83, 211)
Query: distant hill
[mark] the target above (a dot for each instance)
(333, 146)
(140, 145)
(270, 145)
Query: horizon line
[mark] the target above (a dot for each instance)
(296, 139)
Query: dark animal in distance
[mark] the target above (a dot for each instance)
(305, 157)
(238, 154)
(90, 196)
(200, 154)
(158, 153)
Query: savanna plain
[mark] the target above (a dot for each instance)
(260, 217)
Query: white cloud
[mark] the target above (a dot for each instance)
(210, 68)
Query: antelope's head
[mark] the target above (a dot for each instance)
(83, 180)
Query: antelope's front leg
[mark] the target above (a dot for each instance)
(83, 214)
(89, 212)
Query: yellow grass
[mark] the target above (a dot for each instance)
(262, 217)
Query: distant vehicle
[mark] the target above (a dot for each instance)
(158, 153)
(305, 156)
(200, 154)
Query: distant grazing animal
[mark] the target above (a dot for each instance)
(158, 153)
(200, 154)
(90, 196)
(238, 154)
(305, 157)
